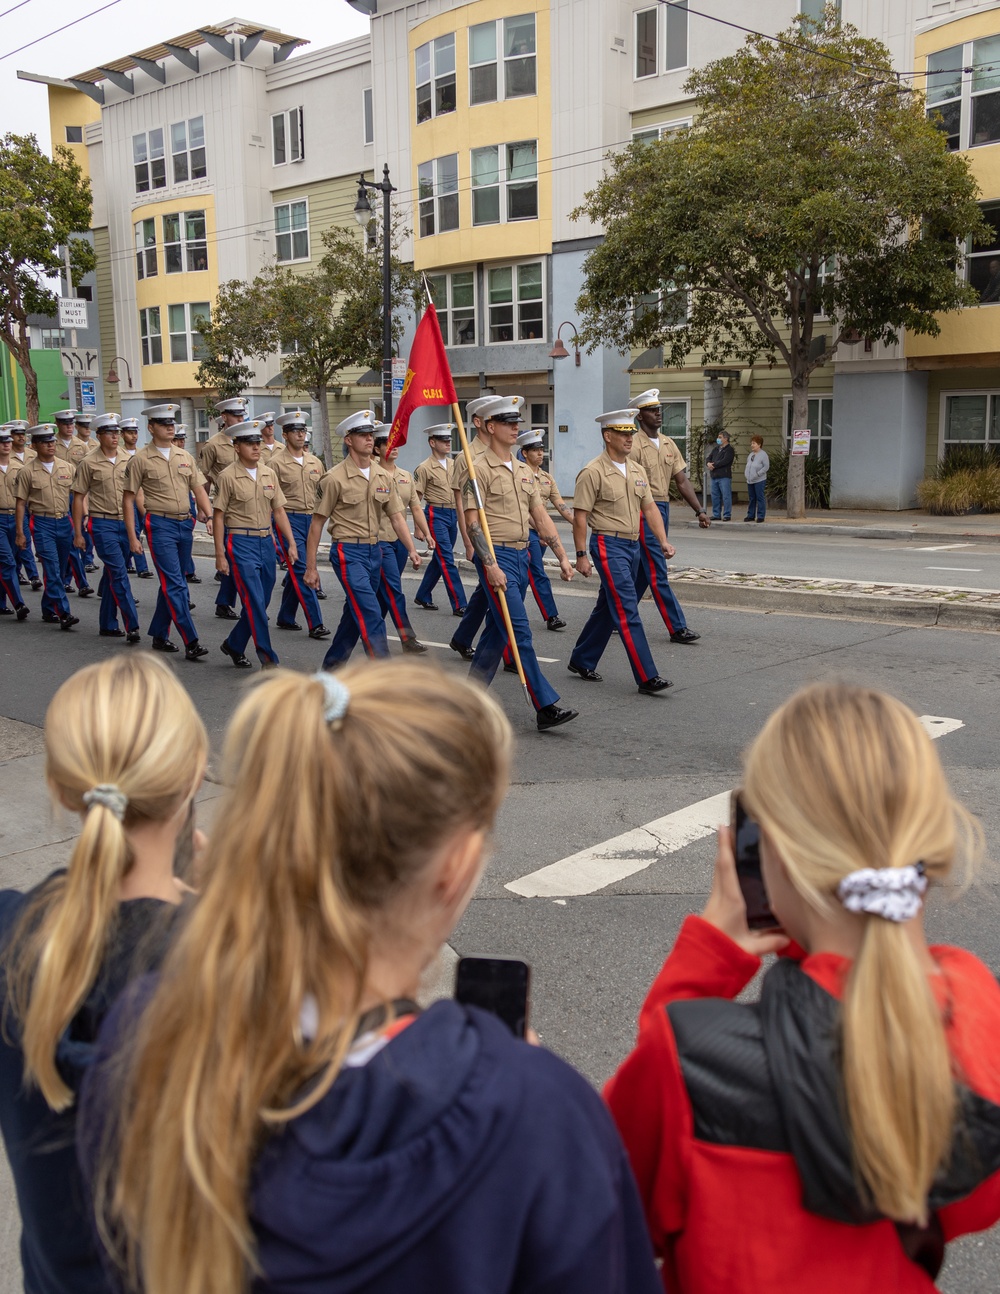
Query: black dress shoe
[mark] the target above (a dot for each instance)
(555, 622)
(191, 605)
(132, 637)
(195, 651)
(48, 619)
(466, 653)
(459, 611)
(90, 567)
(86, 591)
(67, 621)
(238, 659)
(226, 613)
(36, 585)
(588, 675)
(320, 631)
(111, 633)
(164, 644)
(412, 645)
(23, 611)
(654, 685)
(280, 624)
(321, 595)
(551, 717)
(145, 575)
(23, 581)
(684, 636)
(218, 577)
(509, 667)
(427, 606)
(192, 579)
(6, 611)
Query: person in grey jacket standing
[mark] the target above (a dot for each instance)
(756, 473)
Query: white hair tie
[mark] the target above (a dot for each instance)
(894, 893)
(337, 696)
(108, 796)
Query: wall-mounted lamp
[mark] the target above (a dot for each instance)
(559, 351)
(113, 372)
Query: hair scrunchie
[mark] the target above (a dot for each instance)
(337, 696)
(108, 796)
(893, 893)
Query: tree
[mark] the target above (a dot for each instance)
(321, 321)
(811, 188)
(43, 202)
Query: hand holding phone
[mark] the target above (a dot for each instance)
(746, 849)
(498, 985)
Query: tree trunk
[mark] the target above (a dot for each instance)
(795, 490)
(20, 348)
(321, 446)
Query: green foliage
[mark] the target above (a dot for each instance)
(817, 478)
(961, 458)
(43, 202)
(962, 489)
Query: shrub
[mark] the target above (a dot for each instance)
(955, 490)
(817, 479)
(967, 458)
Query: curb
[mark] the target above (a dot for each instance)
(867, 532)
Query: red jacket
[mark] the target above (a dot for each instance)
(726, 1216)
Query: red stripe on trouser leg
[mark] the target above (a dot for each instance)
(241, 588)
(390, 597)
(448, 582)
(491, 592)
(623, 628)
(358, 617)
(111, 583)
(163, 579)
(654, 587)
(536, 595)
(291, 575)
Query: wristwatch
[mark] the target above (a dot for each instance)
(581, 552)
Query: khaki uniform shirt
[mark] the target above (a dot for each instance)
(269, 449)
(166, 484)
(63, 448)
(614, 501)
(508, 496)
(354, 505)
(433, 480)
(215, 456)
(29, 454)
(548, 491)
(247, 504)
(8, 500)
(405, 489)
(46, 493)
(652, 462)
(103, 482)
(79, 449)
(300, 482)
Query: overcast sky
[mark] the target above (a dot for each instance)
(130, 25)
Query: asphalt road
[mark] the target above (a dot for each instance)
(628, 760)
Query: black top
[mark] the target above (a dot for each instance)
(722, 456)
(58, 1253)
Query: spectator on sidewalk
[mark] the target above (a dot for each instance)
(125, 750)
(755, 471)
(303, 1118)
(720, 464)
(835, 1134)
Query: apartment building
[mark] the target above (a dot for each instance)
(214, 153)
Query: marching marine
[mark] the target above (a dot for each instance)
(299, 474)
(41, 491)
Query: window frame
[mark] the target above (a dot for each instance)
(643, 13)
(148, 160)
(293, 129)
(446, 310)
(188, 151)
(501, 83)
(671, 292)
(77, 137)
(50, 339)
(504, 184)
(815, 442)
(992, 396)
(291, 231)
(683, 443)
(436, 81)
(368, 115)
(188, 246)
(430, 203)
(663, 128)
(673, 8)
(515, 303)
(150, 339)
(194, 350)
(971, 256)
(967, 95)
(145, 252)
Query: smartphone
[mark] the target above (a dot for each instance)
(498, 985)
(746, 845)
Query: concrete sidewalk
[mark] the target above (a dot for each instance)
(864, 525)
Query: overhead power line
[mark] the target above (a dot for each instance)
(65, 27)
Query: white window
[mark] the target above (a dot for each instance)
(970, 419)
(650, 134)
(454, 297)
(982, 260)
(291, 231)
(201, 424)
(437, 188)
(149, 335)
(814, 9)
(149, 162)
(677, 34)
(510, 41)
(965, 105)
(50, 338)
(819, 422)
(435, 76)
(646, 43)
(369, 113)
(673, 303)
(505, 183)
(676, 422)
(186, 343)
(185, 245)
(516, 303)
(145, 249)
(187, 149)
(287, 138)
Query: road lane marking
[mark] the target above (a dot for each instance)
(542, 660)
(633, 851)
(941, 548)
(969, 570)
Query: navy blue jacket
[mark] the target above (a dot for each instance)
(459, 1160)
(58, 1253)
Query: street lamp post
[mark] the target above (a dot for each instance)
(363, 215)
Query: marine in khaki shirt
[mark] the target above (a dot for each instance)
(216, 454)
(246, 502)
(166, 482)
(434, 482)
(299, 476)
(649, 439)
(8, 475)
(45, 494)
(102, 480)
(355, 505)
(407, 493)
(79, 448)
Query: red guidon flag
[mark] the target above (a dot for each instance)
(428, 377)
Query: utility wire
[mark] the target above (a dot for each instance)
(13, 7)
(64, 27)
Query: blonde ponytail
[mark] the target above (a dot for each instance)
(843, 778)
(129, 730)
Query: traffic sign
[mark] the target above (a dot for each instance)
(72, 312)
(79, 361)
(88, 395)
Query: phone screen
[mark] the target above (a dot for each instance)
(746, 844)
(498, 985)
